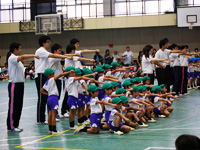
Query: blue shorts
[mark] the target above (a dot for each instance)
(120, 84)
(156, 111)
(190, 75)
(80, 100)
(198, 74)
(95, 120)
(52, 102)
(87, 99)
(72, 102)
(107, 116)
(101, 94)
(112, 126)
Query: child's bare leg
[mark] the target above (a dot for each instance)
(93, 130)
(54, 117)
(50, 117)
(143, 120)
(105, 126)
(141, 113)
(125, 129)
(170, 109)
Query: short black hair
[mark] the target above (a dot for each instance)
(196, 49)
(107, 50)
(173, 46)
(127, 47)
(13, 46)
(149, 46)
(69, 48)
(166, 39)
(74, 41)
(162, 42)
(43, 39)
(55, 47)
(183, 46)
(146, 51)
(187, 142)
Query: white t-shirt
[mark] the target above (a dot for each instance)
(54, 63)
(69, 62)
(176, 58)
(33, 72)
(51, 87)
(118, 74)
(108, 107)
(133, 104)
(15, 69)
(157, 102)
(191, 68)
(115, 58)
(100, 79)
(42, 63)
(113, 114)
(183, 60)
(80, 86)
(78, 63)
(95, 108)
(147, 66)
(109, 74)
(128, 57)
(162, 55)
(72, 87)
(88, 83)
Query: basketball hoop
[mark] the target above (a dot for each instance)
(46, 31)
(191, 25)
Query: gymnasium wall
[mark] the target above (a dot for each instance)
(135, 37)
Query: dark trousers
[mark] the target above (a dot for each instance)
(184, 80)
(151, 77)
(16, 94)
(163, 76)
(177, 79)
(42, 99)
(65, 106)
(59, 86)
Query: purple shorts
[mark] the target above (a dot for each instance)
(52, 102)
(87, 99)
(190, 75)
(107, 116)
(72, 102)
(101, 94)
(95, 120)
(120, 84)
(112, 126)
(198, 74)
(156, 111)
(80, 101)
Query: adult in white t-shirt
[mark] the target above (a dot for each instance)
(16, 86)
(115, 57)
(40, 79)
(128, 56)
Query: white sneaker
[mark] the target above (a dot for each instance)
(43, 123)
(16, 130)
(143, 125)
(180, 94)
(78, 129)
(132, 129)
(188, 93)
(161, 116)
(66, 115)
(176, 96)
(49, 132)
(57, 120)
(185, 94)
(56, 133)
(118, 132)
(61, 116)
(189, 88)
(152, 120)
(74, 128)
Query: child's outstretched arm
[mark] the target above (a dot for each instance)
(109, 79)
(165, 100)
(63, 74)
(85, 59)
(110, 76)
(133, 108)
(117, 95)
(105, 103)
(131, 101)
(43, 91)
(123, 117)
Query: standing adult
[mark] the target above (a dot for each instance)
(128, 57)
(107, 57)
(115, 57)
(98, 58)
(40, 78)
(16, 86)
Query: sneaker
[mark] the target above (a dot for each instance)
(61, 116)
(86, 122)
(185, 94)
(49, 132)
(118, 132)
(78, 129)
(189, 88)
(43, 123)
(66, 115)
(111, 131)
(74, 128)
(161, 116)
(56, 133)
(176, 96)
(180, 94)
(103, 119)
(16, 130)
(80, 124)
(57, 120)
(143, 125)
(132, 129)
(152, 120)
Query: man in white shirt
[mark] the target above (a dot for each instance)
(115, 57)
(128, 56)
(16, 86)
(40, 79)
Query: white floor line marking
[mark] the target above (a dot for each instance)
(149, 148)
(30, 137)
(26, 99)
(5, 112)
